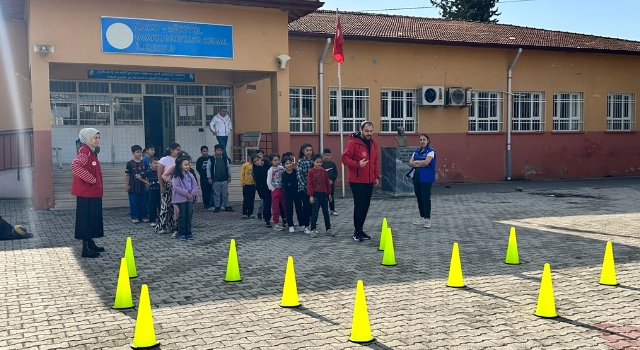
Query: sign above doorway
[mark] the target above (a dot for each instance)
(168, 38)
(108, 74)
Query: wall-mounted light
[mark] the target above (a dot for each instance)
(282, 60)
(43, 49)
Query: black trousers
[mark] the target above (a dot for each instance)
(206, 191)
(248, 199)
(332, 204)
(292, 200)
(153, 204)
(305, 218)
(320, 200)
(265, 195)
(361, 202)
(185, 211)
(89, 223)
(423, 194)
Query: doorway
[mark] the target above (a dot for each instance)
(159, 123)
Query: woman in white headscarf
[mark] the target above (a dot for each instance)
(87, 187)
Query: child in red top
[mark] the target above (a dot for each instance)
(319, 191)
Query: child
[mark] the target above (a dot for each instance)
(290, 184)
(274, 181)
(201, 168)
(185, 193)
(248, 188)
(219, 175)
(260, 169)
(332, 172)
(154, 190)
(304, 164)
(319, 192)
(260, 154)
(136, 186)
(148, 153)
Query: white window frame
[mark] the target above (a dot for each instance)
(389, 115)
(486, 111)
(298, 123)
(621, 111)
(352, 121)
(528, 111)
(568, 111)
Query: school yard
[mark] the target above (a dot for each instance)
(53, 299)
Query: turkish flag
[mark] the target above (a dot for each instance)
(338, 53)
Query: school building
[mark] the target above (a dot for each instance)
(498, 101)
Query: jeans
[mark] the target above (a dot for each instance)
(206, 190)
(277, 201)
(248, 199)
(220, 194)
(154, 204)
(138, 205)
(332, 204)
(361, 202)
(306, 209)
(266, 209)
(222, 141)
(320, 200)
(292, 200)
(423, 194)
(185, 210)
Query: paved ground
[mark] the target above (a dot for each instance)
(53, 299)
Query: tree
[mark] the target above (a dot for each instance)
(471, 10)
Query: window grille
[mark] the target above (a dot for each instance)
(355, 108)
(568, 111)
(621, 111)
(485, 112)
(302, 109)
(528, 111)
(399, 109)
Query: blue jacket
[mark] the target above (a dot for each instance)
(428, 173)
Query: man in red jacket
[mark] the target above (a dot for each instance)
(361, 157)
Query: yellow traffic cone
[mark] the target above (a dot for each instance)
(455, 269)
(131, 262)
(389, 257)
(383, 237)
(123, 289)
(144, 335)
(546, 301)
(290, 289)
(608, 274)
(360, 328)
(233, 269)
(512, 249)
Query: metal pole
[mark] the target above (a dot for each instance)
(509, 117)
(321, 87)
(341, 129)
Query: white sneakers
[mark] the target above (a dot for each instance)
(419, 221)
(313, 234)
(292, 229)
(427, 223)
(307, 230)
(303, 229)
(334, 213)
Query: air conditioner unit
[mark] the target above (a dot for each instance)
(457, 96)
(432, 96)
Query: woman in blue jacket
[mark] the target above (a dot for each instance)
(423, 164)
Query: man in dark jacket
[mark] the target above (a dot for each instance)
(201, 167)
(332, 172)
(361, 157)
(260, 169)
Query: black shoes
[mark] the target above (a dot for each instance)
(87, 252)
(268, 225)
(216, 210)
(357, 237)
(94, 247)
(228, 209)
(364, 236)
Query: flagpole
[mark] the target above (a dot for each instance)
(340, 119)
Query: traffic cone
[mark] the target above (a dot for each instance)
(233, 269)
(144, 335)
(131, 261)
(546, 302)
(383, 237)
(455, 269)
(360, 328)
(123, 289)
(608, 274)
(389, 257)
(290, 289)
(512, 249)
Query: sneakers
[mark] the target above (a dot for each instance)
(427, 223)
(330, 233)
(292, 229)
(364, 236)
(259, 216)
(357, 237)
(302, 229)
(419, 221)
(307, 230)
(135, 221)
(174, 235)
(145, 220)
(216, 209)
(244, 216)
(268, 225)
(313, 234)
(211, 208)
(228, 209)
(190, 237)
(183, 238)
(284, 224)
(334, 213)
(152, 224)
(277, 227)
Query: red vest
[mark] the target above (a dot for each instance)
(86, 167)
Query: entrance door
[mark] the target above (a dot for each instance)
(190, 130)
(168, 124)
(153, 124)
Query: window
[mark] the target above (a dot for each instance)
(64, 109)
(302, 109)
(528, 111)
(399, 110)
(485, 112)
(127, 110)
(355, 109)
(94, 109)
(567, 111)
(189, 111)
(621, 111)
(218, 96)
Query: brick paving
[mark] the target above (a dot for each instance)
(53, 299)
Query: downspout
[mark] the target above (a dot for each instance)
(509, 117)
(321, 88)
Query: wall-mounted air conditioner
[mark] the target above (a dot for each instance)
(457, 97)
(431, 96)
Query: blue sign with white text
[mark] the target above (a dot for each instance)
(154, 37)
(111, 74)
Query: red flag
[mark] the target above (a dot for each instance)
(338, 53)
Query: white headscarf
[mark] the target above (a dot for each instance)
(86, 135)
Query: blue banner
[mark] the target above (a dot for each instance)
(108, 74)
(153, 37)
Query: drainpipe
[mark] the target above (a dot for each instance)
(321, 88)
(509, 117)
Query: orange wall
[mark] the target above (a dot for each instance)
(15, 87)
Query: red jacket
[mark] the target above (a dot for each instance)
(355, 152)
(87, 175)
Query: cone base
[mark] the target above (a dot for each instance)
(541, 316)
(380, 250)
(383, 264)
(290, 306)
(240, 280)
(133, 276)
(463, 286)
(362, 341)
(123, 308)
(144, 347)
(609, 284)
(512, 263)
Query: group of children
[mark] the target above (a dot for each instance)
(282, 185)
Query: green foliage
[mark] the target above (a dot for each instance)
(471, 10)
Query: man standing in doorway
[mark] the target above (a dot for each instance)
(361, 157)
(220, 127)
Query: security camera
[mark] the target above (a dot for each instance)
(282, 59)
(43, 49)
